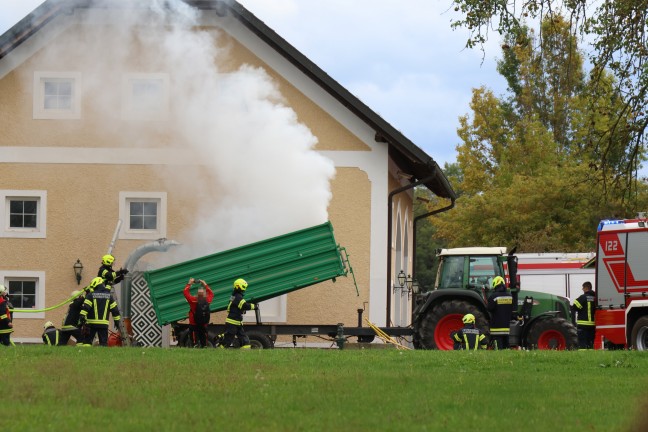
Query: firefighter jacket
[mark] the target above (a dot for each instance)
(500, 306)
(470, 338)
(5, 316)
(97, 305)
(585, 308)
(51, 336)
(111, 276)
(235, 308)
(71, 319)
(193, 300)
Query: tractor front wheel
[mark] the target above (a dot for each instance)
(553, 333)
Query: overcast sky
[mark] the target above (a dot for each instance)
(401, 58)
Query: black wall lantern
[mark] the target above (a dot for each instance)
(78, 268)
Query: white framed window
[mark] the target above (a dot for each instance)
(272, 310)
(23, 213)
(144, 215)
(145, 96)
(26, 292)
(57, 95)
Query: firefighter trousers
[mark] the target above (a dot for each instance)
(585, 336)
(100, 331)
(232, 331)
(67, 334)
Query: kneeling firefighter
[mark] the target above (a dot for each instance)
(234, 322)
(469, 337)
(52, 335)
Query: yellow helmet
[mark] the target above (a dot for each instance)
(76, 293)
(107, 259)
(240, 284)
(48, 324)
(497, 280)
(3, 290)
(468, 319)
(96, 281)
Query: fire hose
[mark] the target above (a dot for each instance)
(63, 303)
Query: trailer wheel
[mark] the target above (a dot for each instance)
(259, 340)
(443, 319)
(553, 333)
(639, 335)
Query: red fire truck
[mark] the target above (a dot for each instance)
(622, 283)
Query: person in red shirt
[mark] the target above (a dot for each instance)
(197, 322)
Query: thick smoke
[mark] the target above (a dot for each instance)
(257, 174)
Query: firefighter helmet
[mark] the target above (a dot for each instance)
(76, 293)
(107, 259)
(48, 324)
(497, 280)
(240, 284)
(468, 319)
(96, 281)
(3, 290)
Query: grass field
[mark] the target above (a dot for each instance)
(133, 389)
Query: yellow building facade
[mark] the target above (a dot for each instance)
(197, 124)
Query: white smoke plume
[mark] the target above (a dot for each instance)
(258, 175)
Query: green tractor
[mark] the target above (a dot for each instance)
(463, 284)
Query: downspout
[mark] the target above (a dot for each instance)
(159, 245)
(416, 220)
(390, 233)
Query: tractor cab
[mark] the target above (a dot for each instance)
(474, 268)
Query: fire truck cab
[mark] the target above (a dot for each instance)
(622, 283)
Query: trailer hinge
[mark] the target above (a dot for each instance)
(347, 263)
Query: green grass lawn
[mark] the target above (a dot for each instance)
(149, 389)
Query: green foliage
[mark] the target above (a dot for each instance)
(535, 168)
(618, 33)
(135, 389)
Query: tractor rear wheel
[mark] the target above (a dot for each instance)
(440, 321)
(553, 333)
(639, 335)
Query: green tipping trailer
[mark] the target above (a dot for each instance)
(271, 267)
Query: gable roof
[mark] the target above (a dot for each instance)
(404, 152)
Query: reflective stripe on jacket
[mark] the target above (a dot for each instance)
(71, 319)
(500, 306)
(235, 308)
(585, 307)
(470, 338)
(5, 317)
(51, 336)
(97, 305)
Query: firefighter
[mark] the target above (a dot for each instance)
(234, 322)
(500, 306)
(96, 307)
(584, 308)
(469, 337)
(6, 326)
(106, 272)
(198, 327)
(51, 335)
(71, 325)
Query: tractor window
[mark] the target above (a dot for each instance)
(482, 270)
(452, 276)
